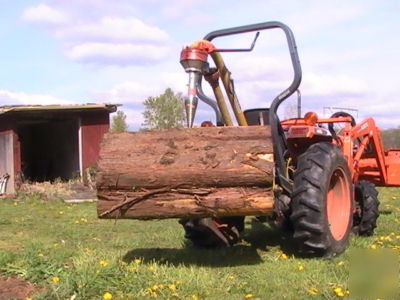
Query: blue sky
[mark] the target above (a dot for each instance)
(80, 51)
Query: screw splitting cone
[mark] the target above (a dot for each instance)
(190, 107)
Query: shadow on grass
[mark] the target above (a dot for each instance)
(259, 237)
(262, 237)
(189, 255)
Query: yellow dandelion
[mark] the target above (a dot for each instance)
(194, 297)
(107, 296)
(313, 291)
(40, 255)
(137, 261)
(340, 263)
(160, 286)
(338, 292)
(28, 298)
(55, 279)
(60, 212)
(248, 296)
(76, 222)
(373, 247)
(178, 282)
(283, 256)
(231, 277)
(84, 220)
(175, 295)
(394, 198)
(300, 268)
(103, 263)
(15, 203)
(172, 287)
(150, 268)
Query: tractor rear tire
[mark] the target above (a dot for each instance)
(213, 232)
(367, 208)
(322, 201)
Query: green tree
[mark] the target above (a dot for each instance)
(391, 138)
(164, 111)
(119, 122)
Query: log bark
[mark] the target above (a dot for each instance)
(221, 202)
(227, 161)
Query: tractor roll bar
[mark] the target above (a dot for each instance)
(278, 138)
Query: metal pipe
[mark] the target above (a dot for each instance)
(213, 80)
(210, 102)
(298, 104)
(228, 85)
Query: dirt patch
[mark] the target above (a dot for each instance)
(15, 288)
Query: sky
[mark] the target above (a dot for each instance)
(123, 51)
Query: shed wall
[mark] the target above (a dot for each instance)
(7, 158)
(93, 127)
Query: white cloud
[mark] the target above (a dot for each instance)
(314, 84)
(21, 98)
(115, 30)
(119, 54)
(108, 41)
(44, 14)
(130, 93)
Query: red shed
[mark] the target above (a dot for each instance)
(42, 143)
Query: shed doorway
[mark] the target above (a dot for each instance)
(49, 149)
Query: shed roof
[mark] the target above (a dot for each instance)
(43, 108)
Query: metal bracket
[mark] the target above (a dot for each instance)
(241, 50)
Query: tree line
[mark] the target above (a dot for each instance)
(391, 138)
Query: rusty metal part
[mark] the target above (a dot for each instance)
(229, 88)
(213, 80)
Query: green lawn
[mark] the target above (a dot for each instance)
(68, 251)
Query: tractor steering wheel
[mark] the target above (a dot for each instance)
(340, 114)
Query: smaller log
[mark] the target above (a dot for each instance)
(185, 202)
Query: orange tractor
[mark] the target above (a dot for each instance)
(324, 178)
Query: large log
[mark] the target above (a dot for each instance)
(228, 162)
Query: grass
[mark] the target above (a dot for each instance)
(73, 255)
